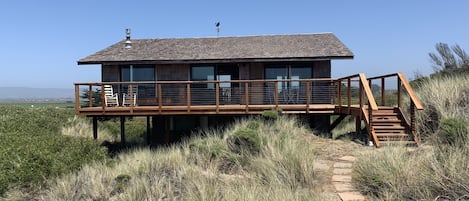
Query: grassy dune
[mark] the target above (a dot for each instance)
(437, 170)
(251, 160)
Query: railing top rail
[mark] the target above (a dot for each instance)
(348, 77)
(368, 93)
(383, 76)
(207, 81)
(410, 91)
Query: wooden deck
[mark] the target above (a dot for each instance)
(351, 95)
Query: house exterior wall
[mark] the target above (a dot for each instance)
(256, 72)
(322, 69)
(110, 73)
(173, 72)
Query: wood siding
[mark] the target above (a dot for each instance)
(256, 72)
(110, 73)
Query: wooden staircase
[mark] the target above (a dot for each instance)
(388, 126)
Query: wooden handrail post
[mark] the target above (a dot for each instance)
(90, 95)
(349, 94)
(188, 87)
(160, 98)
(383, 92)
(413, 123)
(360, 95)
(339, 89)
(308, 95)
(276, 94)
(246, 96)
(217, 96)
(399, 92)
(77, 98)
(103, 98)
(131, 99)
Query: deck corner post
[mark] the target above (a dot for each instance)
(95, 127)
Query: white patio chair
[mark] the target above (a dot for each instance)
(126, 96)
(110, 98)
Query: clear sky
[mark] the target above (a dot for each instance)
(41, 41)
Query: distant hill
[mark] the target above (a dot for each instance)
(27, 93)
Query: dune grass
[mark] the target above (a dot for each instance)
(439, 168)
(253, 159)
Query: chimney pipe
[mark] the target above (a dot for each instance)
(128, 43)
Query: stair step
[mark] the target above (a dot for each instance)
(394, 124)
(392, 127)
(392, 135)
(386, 120)
(397, 143)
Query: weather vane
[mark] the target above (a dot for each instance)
(217, 24)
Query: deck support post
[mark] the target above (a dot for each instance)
(95, 128)
(148, 137)
(122, 120)
(358, 125)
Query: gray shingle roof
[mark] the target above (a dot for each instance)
(224, 49)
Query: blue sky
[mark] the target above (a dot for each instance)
(41, 41)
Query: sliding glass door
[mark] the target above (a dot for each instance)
(289, 92)
(139, 73)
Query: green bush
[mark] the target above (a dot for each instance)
(453, 131)
(270, 115)
(245, 141)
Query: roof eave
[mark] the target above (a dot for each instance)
(235, 60)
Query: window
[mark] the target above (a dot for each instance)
(203, 73)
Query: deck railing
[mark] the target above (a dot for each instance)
(216, 95)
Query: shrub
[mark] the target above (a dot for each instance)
(270, 115)
(454, 132)
(245, 141)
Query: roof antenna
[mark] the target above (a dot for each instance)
(128, 43)
(217, 24)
